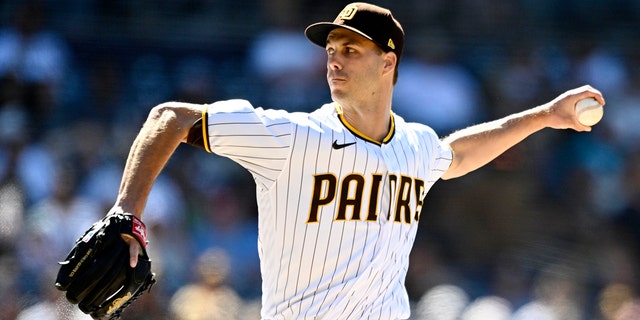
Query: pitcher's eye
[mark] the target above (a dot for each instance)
(331, 51)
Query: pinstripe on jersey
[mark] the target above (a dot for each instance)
(337, 219)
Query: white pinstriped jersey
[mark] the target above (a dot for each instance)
(337, 212)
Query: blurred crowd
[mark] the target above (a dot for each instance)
(549, 230)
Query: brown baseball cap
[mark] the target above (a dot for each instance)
(372, 22)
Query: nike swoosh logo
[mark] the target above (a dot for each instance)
(338, 146)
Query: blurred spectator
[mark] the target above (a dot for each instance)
(53, 226)
(100, 95)
(598, 64)
(36, 57)
(290, 71)
(442, 302)
(521, 81)
(12, 193)
(560, 289)
(27, 163)
(487, 308)
(617, 302)
(227, 224)
(631, 194)
(434, 89)
(534, 310)
(11, 298)
(629, 311)
(585, 171)
(209, 297)
(36, 170)
(52, 304)
(623, 112)
(12, 207)
(11, 214)
(626, 224)
(195, 80)
(148, 85)
(102, 182)
(169, 247)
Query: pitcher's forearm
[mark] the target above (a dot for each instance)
(165, 128)
(475, 146)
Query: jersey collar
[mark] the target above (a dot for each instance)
(343, 119)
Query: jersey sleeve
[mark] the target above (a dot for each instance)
(440, 154)
(257, 139)
(443, 160)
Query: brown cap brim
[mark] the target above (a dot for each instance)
(318, 32)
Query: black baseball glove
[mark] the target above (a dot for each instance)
(96, 274)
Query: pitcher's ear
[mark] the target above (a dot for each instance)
(390, 60)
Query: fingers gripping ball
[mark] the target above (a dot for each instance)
(589, 111)
(96, 274)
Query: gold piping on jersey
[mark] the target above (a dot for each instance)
(205, 127)
(355, 131)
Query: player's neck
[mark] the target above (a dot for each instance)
(373, 121)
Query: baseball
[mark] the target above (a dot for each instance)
(589, 111)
